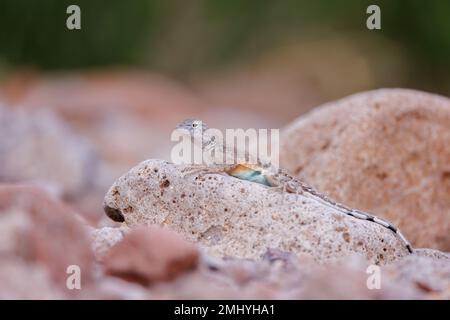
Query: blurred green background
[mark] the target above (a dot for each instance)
(181, 38)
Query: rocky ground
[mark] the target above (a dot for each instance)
(167, 236)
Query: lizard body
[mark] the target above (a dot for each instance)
(273, 177)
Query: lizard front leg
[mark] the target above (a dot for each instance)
(284, 183)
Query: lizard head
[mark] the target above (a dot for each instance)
(191, 125)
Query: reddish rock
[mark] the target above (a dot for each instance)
(384, 151)
(39, 230)
(151, 254)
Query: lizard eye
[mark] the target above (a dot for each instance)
(194, 125)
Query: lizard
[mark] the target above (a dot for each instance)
(267, 175)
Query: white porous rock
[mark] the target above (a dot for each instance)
(105, 238)
(232, 217)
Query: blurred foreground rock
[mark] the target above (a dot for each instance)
(278, 275)
(40, 238)
(148, 255)
(232, 217)
(385, 151)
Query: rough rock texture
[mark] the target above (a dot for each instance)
(41, 235)
(435, 254)
(385, 151)
(150, 254)
(430, 275)
(232, 217)
(36, 146)
(105, 238)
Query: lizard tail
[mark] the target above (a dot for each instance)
(360, 215)
(384, 223)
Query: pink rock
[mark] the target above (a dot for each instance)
(383, 151)
(39, 230)
(150, 254)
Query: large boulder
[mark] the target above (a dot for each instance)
(232, 217)
(385, 151)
